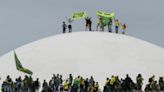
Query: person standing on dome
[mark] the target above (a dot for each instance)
(100, 24)
(88, 23)
(64, 27)
(117, 24)
(123, 27)
(69, 20)
(110, 25)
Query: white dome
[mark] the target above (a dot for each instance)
(99, 54)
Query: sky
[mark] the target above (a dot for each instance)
(25, 21)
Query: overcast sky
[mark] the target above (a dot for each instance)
(25, 21)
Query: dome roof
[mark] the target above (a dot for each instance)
(99, 54)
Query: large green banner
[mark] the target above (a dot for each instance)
(105, 16)
(79, 15)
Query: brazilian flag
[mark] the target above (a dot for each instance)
(20, 67)
(105, 16)
(79, 15)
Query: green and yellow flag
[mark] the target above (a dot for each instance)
(79, 15)
(20, 67)
(105, 14)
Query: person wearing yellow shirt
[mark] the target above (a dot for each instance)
(66, 85)
(123, 27)
(117, 24)
(107, 81)
(112, 81)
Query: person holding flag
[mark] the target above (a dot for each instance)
(105, 19)
(100, 24)
(88, 23)
(69, 20)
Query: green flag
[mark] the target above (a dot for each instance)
(20, 67)
(99, 13)
(105, 14)
(79, 15)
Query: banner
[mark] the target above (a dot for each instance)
(99, 13)
(79, 15)
(20, 67)
(104, 14)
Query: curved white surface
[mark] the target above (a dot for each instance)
(99, 54)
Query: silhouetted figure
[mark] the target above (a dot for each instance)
(128, 83)
(88, 23)
(45, 86)
(139, 81)
(37, 84)
(64, 27)
(26, 83)
(70, 80)
(70, 28)
(161, 84)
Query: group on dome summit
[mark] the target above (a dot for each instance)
(104, 19)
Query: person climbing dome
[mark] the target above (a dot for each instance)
(64, 27)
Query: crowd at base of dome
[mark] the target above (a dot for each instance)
(79, 84)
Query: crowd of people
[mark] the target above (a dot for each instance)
(79, 84)
(100, 25)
